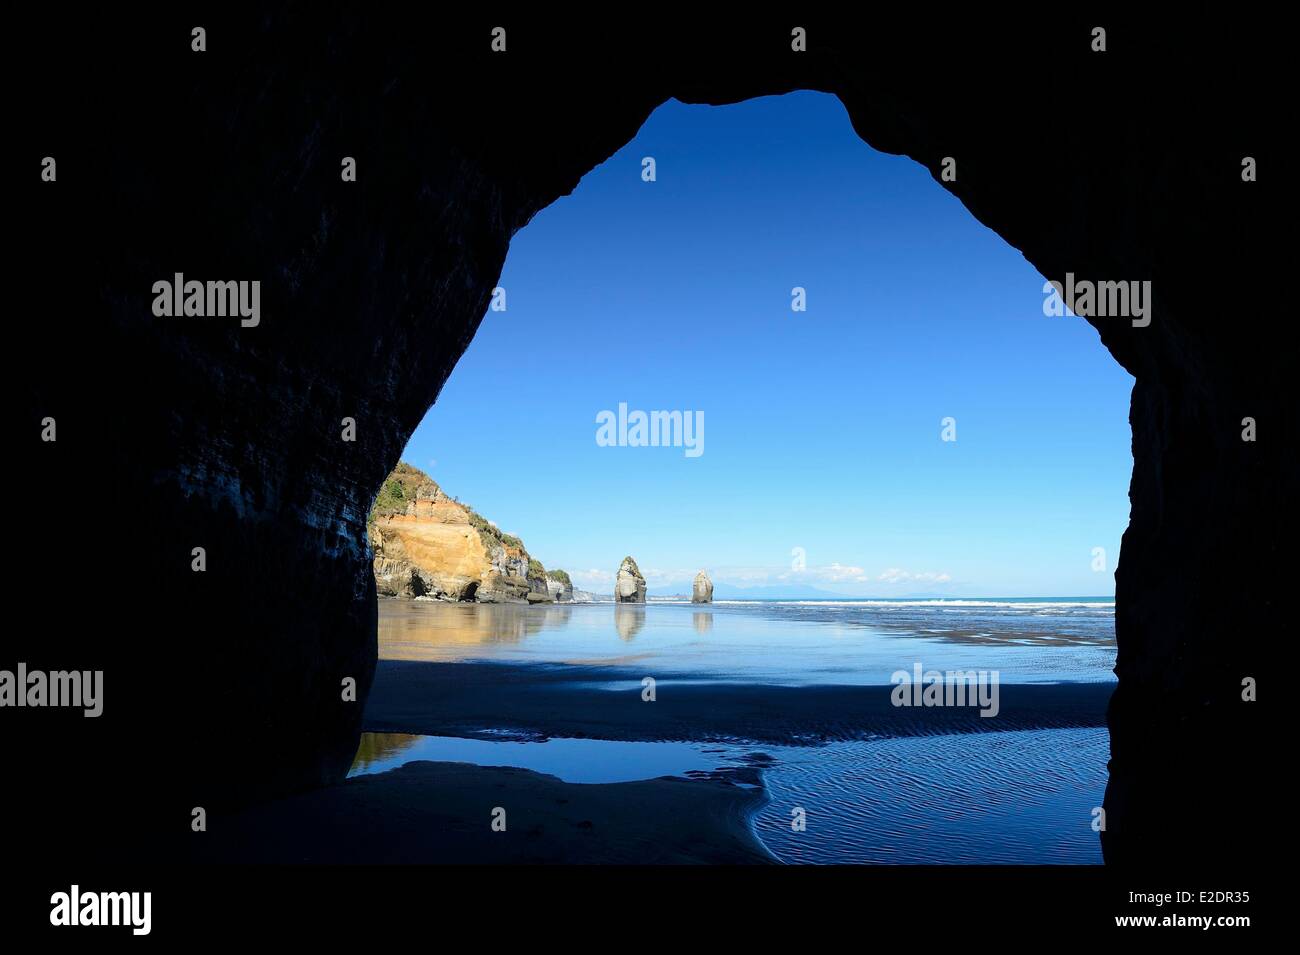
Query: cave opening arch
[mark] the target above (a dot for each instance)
(231, 436)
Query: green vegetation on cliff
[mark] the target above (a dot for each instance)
(561, 576)
(488, 529)
(402, 487)
(399, 488)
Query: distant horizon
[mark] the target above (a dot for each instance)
(1056, 597)
(726, 591)
(799, 586)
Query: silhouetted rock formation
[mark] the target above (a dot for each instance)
(1121, 165)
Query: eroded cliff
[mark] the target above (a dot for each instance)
(427, 544)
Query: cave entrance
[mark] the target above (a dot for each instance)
(913, 464)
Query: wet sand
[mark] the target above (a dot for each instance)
(536, 701)
(442, 813)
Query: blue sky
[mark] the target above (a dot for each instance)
(822, 428)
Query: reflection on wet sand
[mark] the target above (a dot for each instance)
(629, 620)
(557, 616)
(764, 642)
(415, 630)
(377, 747)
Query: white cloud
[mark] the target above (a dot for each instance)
(896, 575)
(744, 575)
(832, 574)
(838, 573)
(590, 579)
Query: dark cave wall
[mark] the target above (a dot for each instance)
(225, 165)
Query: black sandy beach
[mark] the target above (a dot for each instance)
(541, 700)
(440, 812)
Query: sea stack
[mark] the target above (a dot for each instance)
(629, 588)
(560, 586)
(703, 592)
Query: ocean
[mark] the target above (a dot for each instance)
(784, 642)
